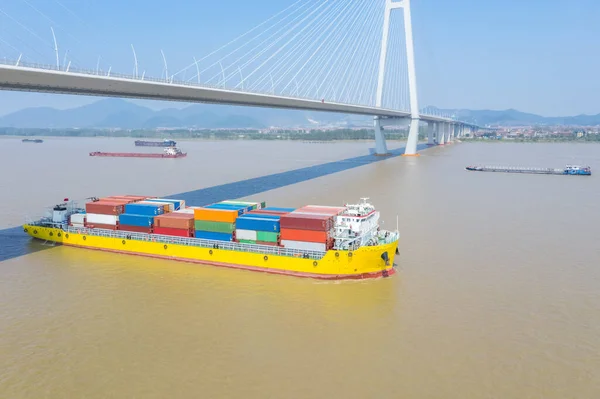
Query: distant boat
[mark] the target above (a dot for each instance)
(33, 141)
(567, 170)
(164, 143)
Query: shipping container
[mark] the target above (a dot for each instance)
(251, 205)
(167, 231)
(101, 226)
(209, 235)
(144, 209)
(306, 222)
(304, 246)
(188, 210)
(276, 209)
(77, 225)
(104, 207)
(177, 204)
(265, 212)
(239, 208)
(137, 197)
(246, 234)
(270, 244)
(120, 198)
(115, 200)
(267, 236)
(94, 218)
(253, 223)
(216, 215)
(255, 214)
(175, 221)
(215, 227)
(305, 235)
(167, 206)
(136, 229)
(77, 218)
(136, 220)
(328, 210)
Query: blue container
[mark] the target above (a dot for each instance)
(136, 220)
(209, 235)
(258, 224)
(144, 209)
(275, 209)
(176, 203)
(260, 216)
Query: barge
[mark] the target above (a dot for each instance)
(567, 170)
(168, 153)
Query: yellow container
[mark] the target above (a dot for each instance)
(216, 215)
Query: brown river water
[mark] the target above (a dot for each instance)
(497, 293)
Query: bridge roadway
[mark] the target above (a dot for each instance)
(80, 82)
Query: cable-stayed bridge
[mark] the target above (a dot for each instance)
(347, 56)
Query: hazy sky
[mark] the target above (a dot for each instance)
(539, 56)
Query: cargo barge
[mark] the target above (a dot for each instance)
(168, 153)
(164, 143)
(567, 170)
(32, 141)
(322, 242)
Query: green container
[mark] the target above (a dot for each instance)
(247, 242)
(214, 227)
(266, 236)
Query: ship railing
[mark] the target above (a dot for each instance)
(197, 242)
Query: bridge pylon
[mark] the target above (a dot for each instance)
(413, 135)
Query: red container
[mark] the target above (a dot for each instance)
(135, 229)
(325, 210)
(306, 221)
(166, 231)
(182, 221)
(118, 199)
(305, 235)
(100, 226)
(105, 207)
(136, 197)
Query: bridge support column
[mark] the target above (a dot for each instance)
(413, 138)
(430, 132)
(380, 144)
(442, 133)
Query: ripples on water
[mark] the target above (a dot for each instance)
(496, 294)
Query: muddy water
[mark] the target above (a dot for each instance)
(496, 296)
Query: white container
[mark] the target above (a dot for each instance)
(304, 245)
(78, 218)
(78, 225)
(95, 218)
(189, 210)
(245, 234)
(181, 202)
(170, 204)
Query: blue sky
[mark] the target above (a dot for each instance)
(537, 56)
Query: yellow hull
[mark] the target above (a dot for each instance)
(365, 262)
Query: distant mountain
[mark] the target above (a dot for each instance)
(117, 113)
(512, 117)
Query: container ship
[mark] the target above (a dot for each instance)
(170, 152)
(164, 143)
(32, 141)
(324, 242)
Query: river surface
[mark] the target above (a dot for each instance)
(497, 293)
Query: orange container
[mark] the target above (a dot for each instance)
(215, 215)
(305, 235)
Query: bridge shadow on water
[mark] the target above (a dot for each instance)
(14, 242)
